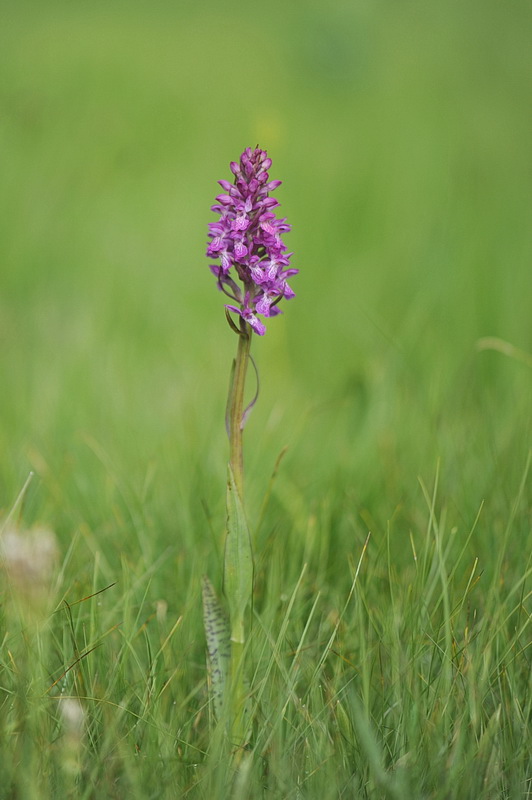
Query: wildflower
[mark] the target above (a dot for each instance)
(252, 269)
(247, 242)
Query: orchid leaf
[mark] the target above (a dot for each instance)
(218, 638)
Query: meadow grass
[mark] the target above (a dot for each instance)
(388, 456)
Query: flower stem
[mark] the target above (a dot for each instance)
(238, 558)
(236, 407)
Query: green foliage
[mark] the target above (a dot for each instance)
(399, 381)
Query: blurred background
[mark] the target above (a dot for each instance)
(401, 131)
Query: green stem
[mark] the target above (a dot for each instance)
(236, 407)
(238, 696)
(237, 685)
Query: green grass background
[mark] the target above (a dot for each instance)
(401, 131)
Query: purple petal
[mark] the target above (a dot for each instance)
(288, 293)
(224, 199)
(256, 324)
(240, 250)
(263, 305)
(250, 318)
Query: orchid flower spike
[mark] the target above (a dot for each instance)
(253, 266)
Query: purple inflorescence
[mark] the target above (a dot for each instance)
(248, 238)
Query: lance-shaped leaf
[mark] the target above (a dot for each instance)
(218, 638)
(238, 561)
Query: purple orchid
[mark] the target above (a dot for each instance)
(248, 240)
